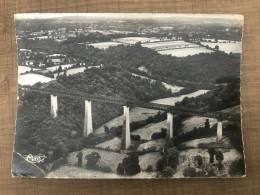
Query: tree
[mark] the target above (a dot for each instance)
(120, 169)
(92, 158)
(59, 69)
(106, 129)
(237, 168)
(211, 152)
(198, 158)
(131, 164)
(219, 156)
(79, 156)
(160, 165)
(207, 126)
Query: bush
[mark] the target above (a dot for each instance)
(237, 168)
(149, 168)
(120, 169)
(212, 153)
(57, 164)
(160, 165)
(219, 156)
(198, 158)
(172, 158)
(135, 137)
(159, 135)
(190, 172)
(92, 159)
(168, 172)
(131, 164)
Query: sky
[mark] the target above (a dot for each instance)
(128, 15)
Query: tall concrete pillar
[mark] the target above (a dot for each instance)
(169, 132)
(54, 106)
(126, 140)
(88, 119)
(219, 130)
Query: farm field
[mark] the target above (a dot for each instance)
(136, 114)
(104, 45)
(111, 159)
(75, 70)
(183, 52)
(195, 121)
(149, 159)
(31, 79)
(169, 44)
(133, 40)
(172, 100)
(157, 144)
(226, 47)
(147, 131)
(113, 144)
(23, 69)
(208, 141)
(53, 68)
(187, 158)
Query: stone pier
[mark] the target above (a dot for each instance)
(219, 130)
(88, 119)
(54, 106)
(169, 132)
(126, 139)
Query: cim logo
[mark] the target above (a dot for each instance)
(35, 159)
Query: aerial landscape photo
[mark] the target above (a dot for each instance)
(128, 96)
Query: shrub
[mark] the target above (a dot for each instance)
(160, 165)
(92, 158)
(198, 158)
(149, 168)
(168, 172)
(237, 168)
(211, 152)
(57, 164)
(135, 137)
(219, 156)
(131, 164)
(190, 172)
(120, 169)
(159, 135)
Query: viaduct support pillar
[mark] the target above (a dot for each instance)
(54, 106)
(219, 130)
(169, 132)
(88, 119)
(126, 140)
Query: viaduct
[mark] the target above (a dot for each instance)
(126, 140)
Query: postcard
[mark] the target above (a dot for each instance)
(114, 95)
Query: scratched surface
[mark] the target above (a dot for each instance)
(250, 99)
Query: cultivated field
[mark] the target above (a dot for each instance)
(169, 45)
(104, 45)
(226, 47)
(31, 79)
(111, 159)
(147, 131)
(53, 68)
(183, 52)
(195, 121)
(23, 69)
(133, 40)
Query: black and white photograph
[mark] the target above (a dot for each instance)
(128, 95)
